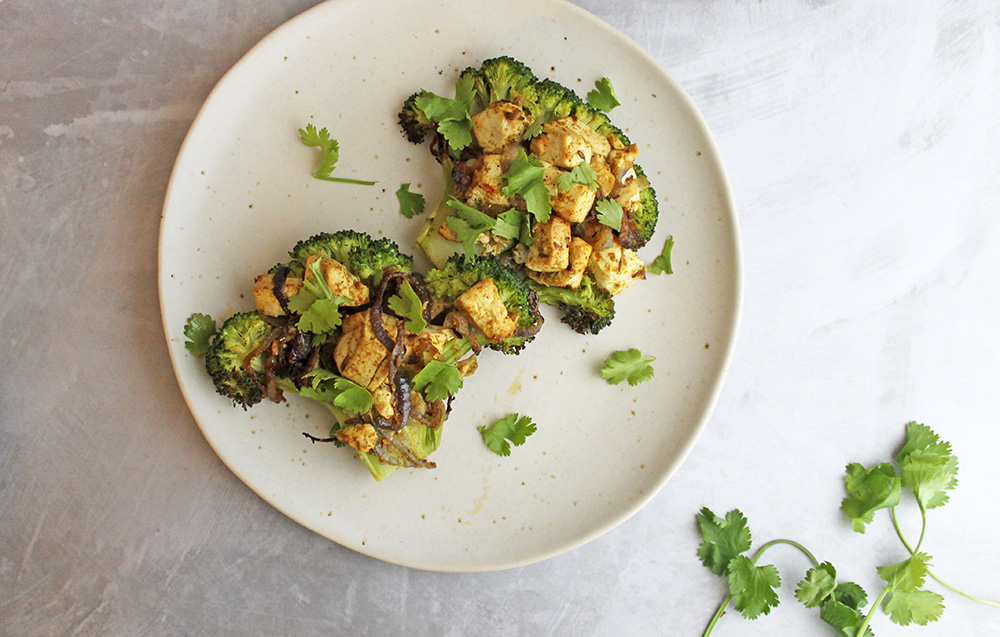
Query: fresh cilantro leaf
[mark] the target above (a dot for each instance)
(514, 224)
(467, 224)
(438, 380)
(451, 116)
(301, 301)
(510, 430)
(927, 466)
(316, 304)
(322, 317)
(722, 539)
(582, 173)
(199, 330)
(908, 575)
(843, 617)
(869, 490)
(603, 97)
(525, 177)
(817, 586)
(627, 365)
(411, 204)
(850, 594)
(753, 587)
(327, 387)
(329, 154)
(352, 397)
(661, 263)
(465, 89)
(408, 305)
(610, 213)
(916, 607)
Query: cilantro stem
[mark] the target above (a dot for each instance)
(721, 610)
(868, 618)
(344, 180)
(912, 550)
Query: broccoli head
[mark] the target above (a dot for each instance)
(238, 337)
(414, 122)
(638, 228)
(587, 309)
(365, 257)
(499, 78)
(459, 274)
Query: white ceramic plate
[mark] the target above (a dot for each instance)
(241, 195)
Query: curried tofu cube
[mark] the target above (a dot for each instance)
(359, 355)
(606, 181)
(340, 280)
(484, 306)
(614, 268)
(263, 293)
(567, 142)
(571, 277)
(574, 204)
(550, 251)
(484, 191)
(499, 124)
(361, 436)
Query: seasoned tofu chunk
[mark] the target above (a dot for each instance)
(340, 280)
(499, 124)
(614, 268)
(484, 306)
(361, 436)
(605, 178)
(359, 355)
(550, 251)
(574, 204)
(567, 142)
(620, 160)
(263, 293)
(484, 191)
(571, 277)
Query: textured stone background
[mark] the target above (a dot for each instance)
(863, 147)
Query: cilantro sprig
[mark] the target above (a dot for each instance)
(316, 304)
(526, 177)
(408, 305)
(661, 264)
(603, 97)
(627, 365)
(329, 154)
(610, 213)
(451, 115)
(199, 330)
(925, 467)
(327, 387)
(411, 204)
(512, 429)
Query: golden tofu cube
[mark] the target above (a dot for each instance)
(361, 436)
(484, 190)
(340, 280)
(263, 293)
(484, 306)
(571, 277)
(606, 181)
(573, 204)
(499, 124)
(567, 142)
(550, 251)
(614, 268)
(359, 355)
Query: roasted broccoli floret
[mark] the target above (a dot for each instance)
(638, 229)
(587, 309)
(237, 339)
(459, 274)
(414, 122)
(499, 78)
(365, 257)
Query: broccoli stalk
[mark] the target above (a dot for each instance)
(436, 247)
